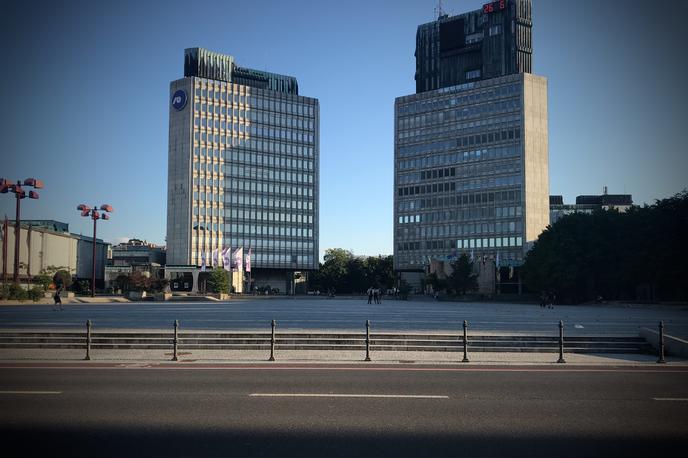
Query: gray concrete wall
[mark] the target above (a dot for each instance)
(536, 157)
(179, 187)
(47, 249)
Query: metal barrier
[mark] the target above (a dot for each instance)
(327, 341)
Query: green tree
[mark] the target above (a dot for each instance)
(139, 282)
(218, 281)
(62, 279)
(462, 278)
(614, 255)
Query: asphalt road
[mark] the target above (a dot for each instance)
(349, 314)
(344, 411)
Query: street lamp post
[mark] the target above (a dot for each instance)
(95, 214)
(19, 194)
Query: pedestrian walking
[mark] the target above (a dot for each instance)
(376, 295)
(57, 299)
(370, 294)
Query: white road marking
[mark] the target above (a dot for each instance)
(343, 395)
(671, 399)
(30, 392)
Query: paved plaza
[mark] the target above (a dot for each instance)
(294, 313)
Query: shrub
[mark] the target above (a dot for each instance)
(35, 293)
(13, 291)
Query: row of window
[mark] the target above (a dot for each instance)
(250, 214)
(268, 160)
(414, 259)
(500, 212)
(262, 260)
(468, 170)
(271, 188)
(405, 124)
(484, 154)
(233, 94)
(210, 125)
(217, 149)
(513, 195)
(268, 202)
(489, 242)
(256, 242)
(459, 230)
(259, 173)
(225, 116)
(277, 231)
(454, 215)
(449, 131)
(437, 104)
(465, 141)
(226, 137)
(462, 185)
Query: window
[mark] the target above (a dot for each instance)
(472, 74)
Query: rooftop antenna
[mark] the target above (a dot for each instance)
(438, 9)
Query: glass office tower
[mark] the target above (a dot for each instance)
(471, 158)
(243, 169)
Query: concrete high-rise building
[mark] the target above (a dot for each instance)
(243, 172)
(471, 158)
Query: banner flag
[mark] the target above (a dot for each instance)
(238, 259)
(248, 261)
(225, 259)
(215, 261)
(203, 262)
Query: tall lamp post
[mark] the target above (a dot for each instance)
(19, 193)
(95, 215)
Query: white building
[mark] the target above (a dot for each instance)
(243, 172)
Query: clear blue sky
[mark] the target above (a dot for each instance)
(85, 99)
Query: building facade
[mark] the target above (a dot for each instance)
(43, 248)
(135, 256)
(493, 41)
(243, 170)
(588, 204)
(471, 161)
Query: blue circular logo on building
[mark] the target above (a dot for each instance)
(179, 100)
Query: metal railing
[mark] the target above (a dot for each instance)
(353, 341)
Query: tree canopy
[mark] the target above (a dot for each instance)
(639, 254)
(344, 272)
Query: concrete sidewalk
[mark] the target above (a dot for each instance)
(327, 357)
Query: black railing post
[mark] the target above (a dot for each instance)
(88, 340)
(561, 342)
(367, 340)
(272, 341)
(175, 341)
(465, 341)
(661, 359)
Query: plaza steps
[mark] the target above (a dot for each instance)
(324, 341)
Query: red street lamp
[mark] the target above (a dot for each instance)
(95, 214)
(19, 193)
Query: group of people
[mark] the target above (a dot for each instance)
(547, 299)
(374, 294)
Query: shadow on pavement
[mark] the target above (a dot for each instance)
(119, 442)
